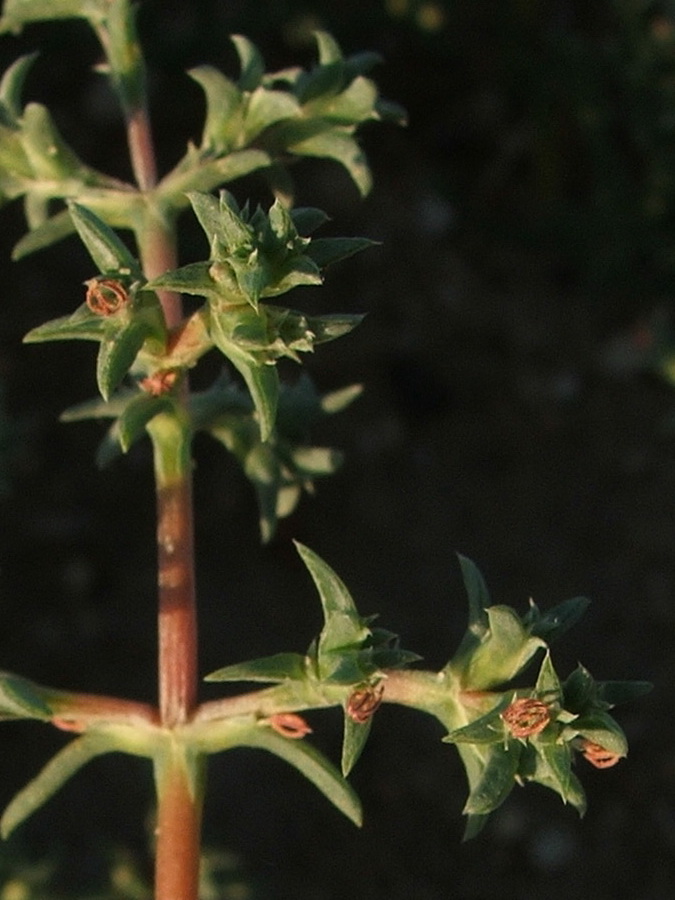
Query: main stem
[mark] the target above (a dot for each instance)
(179, 804)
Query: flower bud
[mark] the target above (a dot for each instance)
(289, 725)
(363, 703)
(599, 756)
(526, 717)
(105, 296)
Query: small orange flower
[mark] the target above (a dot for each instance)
(289, 725)
(363, 703)
(599, 756)
(105, 296)
(526, 717)
(160, 382)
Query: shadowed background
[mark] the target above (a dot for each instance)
(526, 217)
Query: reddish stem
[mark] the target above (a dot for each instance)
(141, 151)
(177, 621)
(179, 810)
(178, 842)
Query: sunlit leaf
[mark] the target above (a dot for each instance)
(341, 147)
(108, 252)
(269, 669)
(83, 325)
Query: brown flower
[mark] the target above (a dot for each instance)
(105, 296)
(364, 702)
(289, 725)
(526, 717)
(599, 756)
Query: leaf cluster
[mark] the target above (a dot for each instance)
(267, 427)
(497, 647)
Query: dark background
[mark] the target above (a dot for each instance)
(511, 414)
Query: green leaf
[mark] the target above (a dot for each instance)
(54, 775)
(261, 379)
(312, 461)
(328, 47)
(548, 762)
(47, 152)
(328, 77)
(503, 651)
(11, 85)
(554, 766)
(315, 88)
(20, 699)
(17, 13)
(576, 796)
(344, 631)
(97, 408)
(207, 210)
(388, 111)
(233, 166)
(194, 278)
(269, 669)
(307, 219)
(497, 779)
(262, 467)
(324, 251)
(252, 63)
(579, 690)
(338, 400)
(234, 233)
(141, 410)
(600, 728)
(83, 325)
(315, 767)
(49, 232)
(339, 145)
(548, 686)
(301, 332)
(353, 741)
(266, 107)
(474, 825)
(108, 252)
(352, 106)
(223, 99)
(615, 692)
(117, 353)
(110, 447)
(555, 622)
(285, 466)
(477, 595)
(361, 64)
(488, 729)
